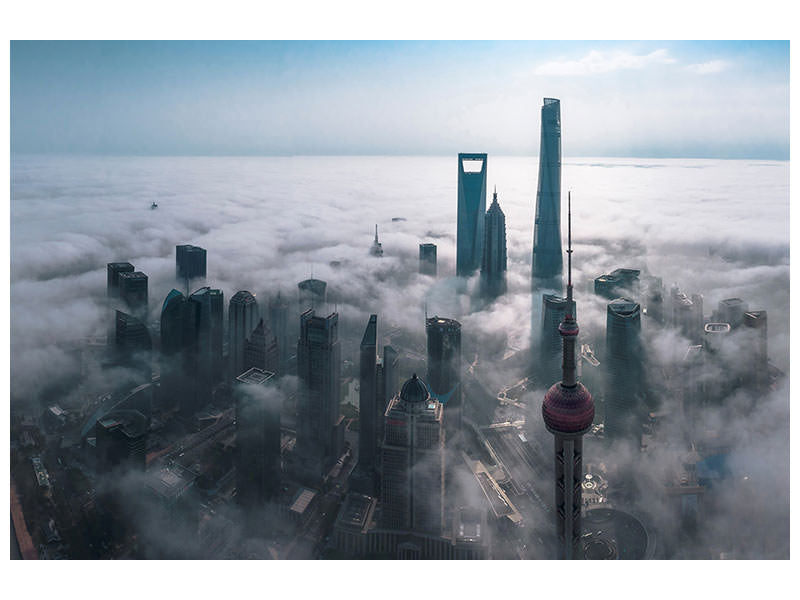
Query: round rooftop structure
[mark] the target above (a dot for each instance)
(610, 534)
(623, 307)
(414, 390)
(568, 410)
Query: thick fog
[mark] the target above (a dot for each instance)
(718, 228)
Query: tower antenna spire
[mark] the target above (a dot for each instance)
(569, 246)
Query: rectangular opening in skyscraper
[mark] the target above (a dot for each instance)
(472, 165)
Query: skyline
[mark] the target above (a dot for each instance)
(636, 99)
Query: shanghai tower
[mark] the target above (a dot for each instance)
(547, 265)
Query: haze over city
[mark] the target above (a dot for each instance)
(201, 235)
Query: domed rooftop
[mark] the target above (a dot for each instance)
(568, 410)
(414, 390)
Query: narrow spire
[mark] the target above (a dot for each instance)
(569, 246)
(376, 233)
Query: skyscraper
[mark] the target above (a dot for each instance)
(242, 320)
(547, 264)
(131, 334)
(731, 310)
(555, 310)
(204, 359)
(133, 292)
(176, 337)
(279, 323)
(114, 269)
(755, 322)
(493, 265)
(620, 282)
(258, 438)
(427, 259)
(313, 294)
(624, 371)
(471, 209)
(568, 412)
(387, 375)
(120, 440)
(377, 247)
(261, 349)
(444, 371)
(412, 485)
(190, 262)
(367, 408)
(319, 368)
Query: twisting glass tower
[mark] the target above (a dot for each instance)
(568, 411)
(547, 264)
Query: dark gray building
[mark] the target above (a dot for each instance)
(427, 259)
(242, 320)
(547, 265)
(731, 311)
(319, 424)
(365, 476)
(114, 269)
(261, 349)
(471, 209)
(131, 334)
(120, 441)
(285, 335)
(312, 294)
(444, 371)
(133, 292)
(190, 262)
(618, 283)
(624, 376)
(494, 263)
(205, 330)
(258, 438)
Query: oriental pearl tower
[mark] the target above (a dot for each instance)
(568, 411)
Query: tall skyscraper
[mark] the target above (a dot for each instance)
(620, 282)
(261, 349)
(114, 269)
(555, 310)
(367, 409)
(412, 485)
(133, 292)
(731, 310)
(427, 259)
(493, 265)
(312, 294)
(242, 320)
(377, 247)
(755, 322)
(190, 262)
(623, 398)
(258, 438)
(387, 378)
(120, 440)
(319, 369)
(204, 313)
(655, 300)
(176, 337)
(444, 371)
(286, 336)
(131, 334)
(547, 267)
(568, 412)
(471, 210)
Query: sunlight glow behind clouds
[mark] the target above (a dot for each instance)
(604, 62)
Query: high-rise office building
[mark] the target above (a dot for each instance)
(114, 269)
(471, 210)
(623, 398)
(258, 438)
(131, 334)
(555, 310)
(618, 283)
(279, 309)
(319, 426)
(731, 311)
(493, 265)
(204, 310)
(261, 349)
(757, 372)
(312, 294)
(190, 262)
(377, 247)
(120, 441)
(547, 266)
(568, 412)
(176, 338)
(366, 476)
(427, 259)
(387, 377)
(444, 371)
(242, 320)
(655, 300)
(133, 292)
(412, 484)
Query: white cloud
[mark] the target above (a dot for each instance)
(711, 66)
(604, 62)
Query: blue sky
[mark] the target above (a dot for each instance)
(654, 99)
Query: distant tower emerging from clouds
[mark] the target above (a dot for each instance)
(624, 371)
(568, 412)
(313, 294)
(493, 265)
(114, 269)
(427, 259)
(242, 320)
(444, 371)
(412, 487)
(547, 264)
(377, 247)
(319, 366)
(190, 262)
(471, 210)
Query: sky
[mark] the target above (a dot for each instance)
(640, 99)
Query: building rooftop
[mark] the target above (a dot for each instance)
(356, 511)
(301, 500)
(170, 482)
(623, 307)
(133, 275)
(255, 376)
